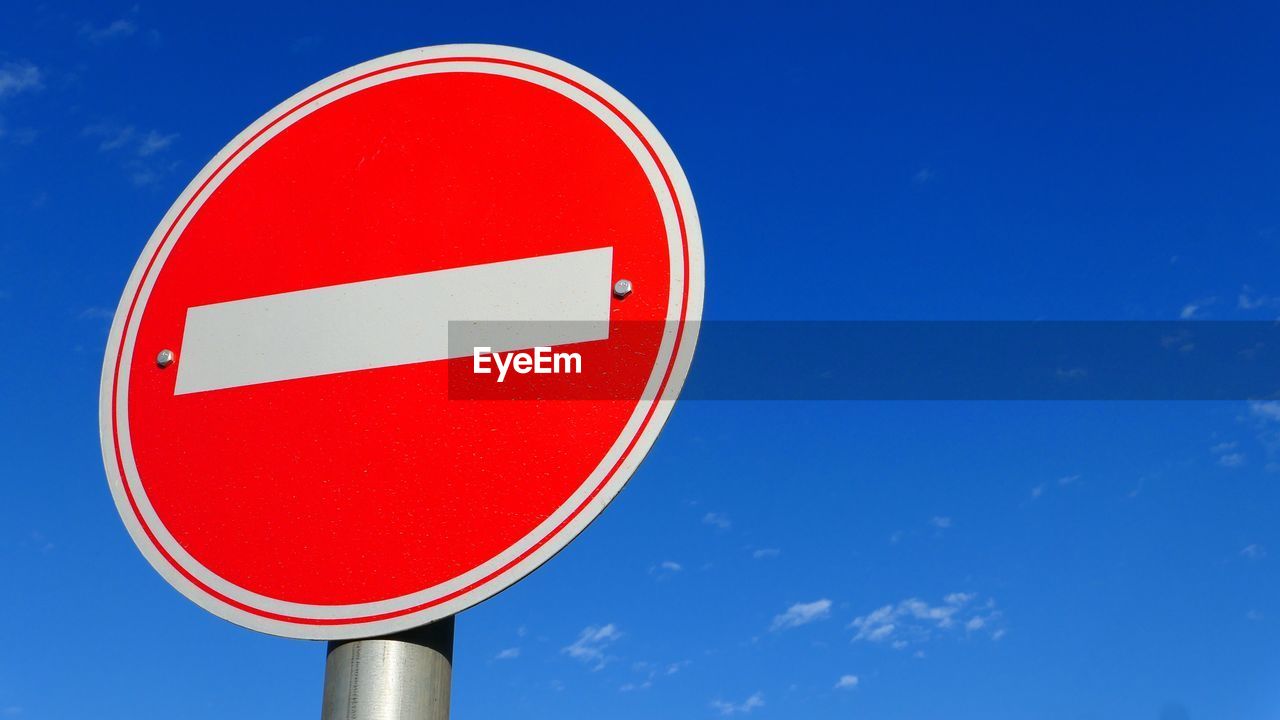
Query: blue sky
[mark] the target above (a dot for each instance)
(887, 560)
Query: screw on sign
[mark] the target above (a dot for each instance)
(293, 309)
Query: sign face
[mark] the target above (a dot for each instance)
(280, 420)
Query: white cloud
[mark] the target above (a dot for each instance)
(1042, 488)
(651, 672)
(141, 144)
(510, 653)
(139, 151)
(113, 30)
(665, 569)
(942, 523)
(591, 645)
(802, 614)
(744, 707)
(1231, 460)
(1223, 447)
(1246, 300)
(153, 142)
(38, 540)
(1074, 373)
(1195, 309)
(914, 620)
(143, 176)
(1269, 410)
(113, 137)
(630, 686)
(766, 553)
(717, 520)
(97, 312)
(1179, 341)
(847, 682)
(1253, 552)
(17, 77)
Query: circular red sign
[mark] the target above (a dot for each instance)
(299, 466)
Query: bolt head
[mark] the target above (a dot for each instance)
(165, 358)
(622, 288)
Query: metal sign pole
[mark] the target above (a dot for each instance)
(397, 677)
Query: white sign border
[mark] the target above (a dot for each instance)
(343, 622)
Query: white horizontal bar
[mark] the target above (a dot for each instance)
(548, 300)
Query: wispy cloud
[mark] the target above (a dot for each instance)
(665, 569)
(745, 707)
(1231, 460)
(914, 620)
(153, 142)
(114, 30)
(591, 645)
(1071, 373)
(1269, 410)
(651, 672)
(942, 523)
(765, 553)
(39, 542)
(717, 520)
(675, 667)
(924, 176)
(1196, 309)
(1227, 454)
(96, 312)
(140, 152)
(1253, 552)
(802, 614)
(510, 653)
(847, 682)
(110, 137)
(18, 77)
(1040, 489)
(1248, 300)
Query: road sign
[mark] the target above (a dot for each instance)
(276, 417)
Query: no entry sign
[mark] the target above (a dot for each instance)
(275, 413)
